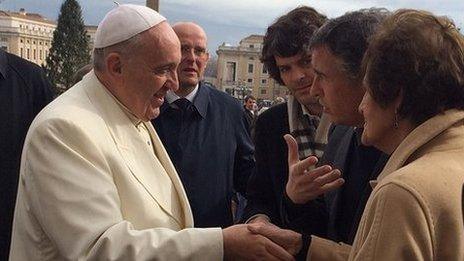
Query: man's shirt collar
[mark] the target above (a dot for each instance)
(172, 96)
(199, 97)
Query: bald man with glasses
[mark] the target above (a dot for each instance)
(205, 133)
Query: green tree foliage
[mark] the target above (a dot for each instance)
(70, 47)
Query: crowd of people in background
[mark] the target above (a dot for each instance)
(142, 160)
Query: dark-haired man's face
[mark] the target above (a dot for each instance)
(297, 74)
(249, 104)
(338, 93)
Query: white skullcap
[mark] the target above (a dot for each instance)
(124, 22)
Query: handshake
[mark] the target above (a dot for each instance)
(260, 240)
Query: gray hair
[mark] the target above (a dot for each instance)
(347, 37)
(129, 47)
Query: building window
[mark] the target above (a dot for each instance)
(33, 42)
(251, 58)
(27, 41)
(35, 54)
(250, 80)
(21, 52)
(40, 55)
(263, 91)
(250, 68)
(27, 53)
(21, 41)
(4, 48)
(263, 81)
(252, 46)
(264, 70)
(230, 71)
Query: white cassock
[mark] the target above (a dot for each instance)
(92, 188)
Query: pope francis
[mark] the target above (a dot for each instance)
(96, 182)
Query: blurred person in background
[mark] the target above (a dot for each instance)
(250, 108)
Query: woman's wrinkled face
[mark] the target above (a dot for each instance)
(379, 123)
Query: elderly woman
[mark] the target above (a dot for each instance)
(414, 110)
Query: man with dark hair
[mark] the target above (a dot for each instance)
(286, 56)
(206, 135)
(337, 50)
(24, 91)
(249, 107)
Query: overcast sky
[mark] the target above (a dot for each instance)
(230, 21)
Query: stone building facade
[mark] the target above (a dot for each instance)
(240, 72)
(29, 35)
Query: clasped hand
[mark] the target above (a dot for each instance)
(260, 241)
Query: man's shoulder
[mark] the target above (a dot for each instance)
(337, 133)
(275, 114)
(339, 140)
(71, 105)
(22, 66)
(219, 96)
(340, 130)
(274, 119)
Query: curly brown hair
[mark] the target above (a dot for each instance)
(289, 35)
(421, 57)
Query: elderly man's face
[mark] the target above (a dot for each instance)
(151, 71)
(194, 54)
(338, 93)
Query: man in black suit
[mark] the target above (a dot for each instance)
(206, 135)
(288, 61)
(337, 49)
(24, 91)
(249, 108)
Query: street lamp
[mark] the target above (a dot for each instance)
(153, 4)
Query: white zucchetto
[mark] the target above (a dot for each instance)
(124, 22)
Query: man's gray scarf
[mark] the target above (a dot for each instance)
(310, 131)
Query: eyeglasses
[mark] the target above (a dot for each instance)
(198, 51)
